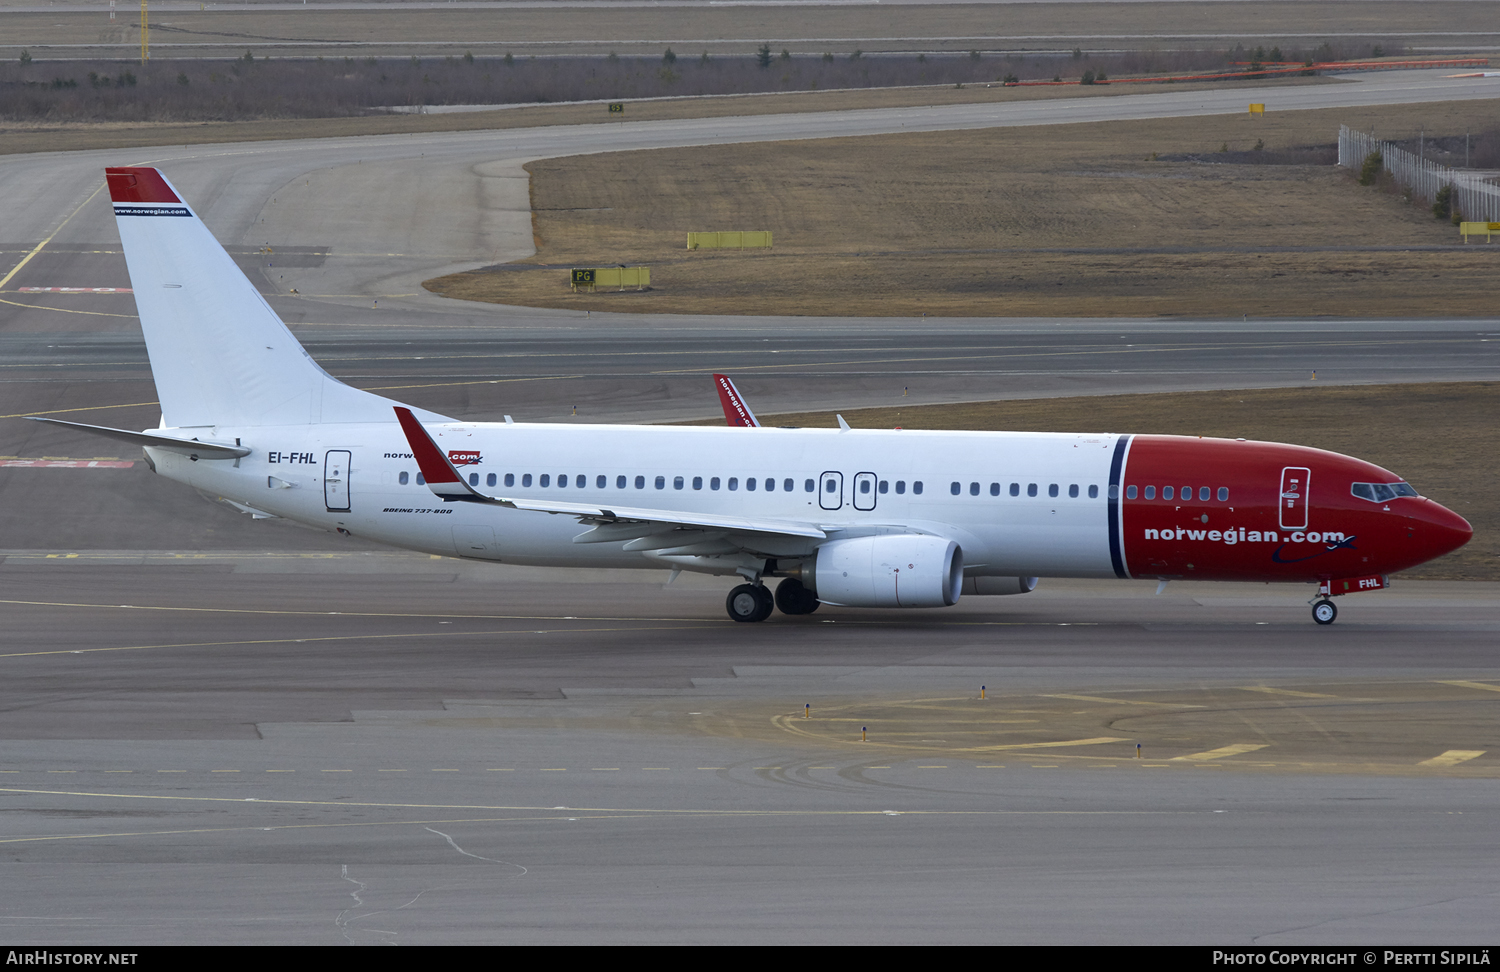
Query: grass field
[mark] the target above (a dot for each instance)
(1072, 220)
(1440, 437)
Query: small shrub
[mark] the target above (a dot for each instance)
(510, 59)
(1011, 79)
(468, 57)
(1101, 78)
(786, 55)
(856, 55)
(182, 78)
(1088, 78)
(1260, 144)
(763, 55)
(828, 57)
(669, 56)
(1370, 170)
(973, 55)
(250, 58)
(1442, 204)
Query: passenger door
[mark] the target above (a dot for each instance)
(336, 481)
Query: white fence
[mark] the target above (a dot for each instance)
(1476, 199)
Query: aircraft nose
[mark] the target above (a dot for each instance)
(1440, 530)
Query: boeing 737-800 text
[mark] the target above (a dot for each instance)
(856, 517)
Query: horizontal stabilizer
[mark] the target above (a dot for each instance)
(192, 448)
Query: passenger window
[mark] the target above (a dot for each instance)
(770, 485)
(1150, 492)
(864, 486)
(405, 478)
(1130, 492)
(473, 479)
(807, 486)
(973, 489)
(601, 481)
(697, 482)
(1093, 492)
(489, 480)
(1031, 489)
(788, 484)
(580, 480)
(734, 483)
(884, 487)
(1052, 490)
(676, 482)
(510, 479)
(831, 486)
(640, 482)
(713, 483)
(1015, 489)
(750, 483)
(1203, 494)
(544, 480)
(1166, 492)
(955, 488)
(994, 489)
(562, 481)
(1187, 494)
(916, 487)
(1223, 493)
(661, 482)
(619, 482)
(421, 480)
(900, 486)
(1073, 491)
(526, 479)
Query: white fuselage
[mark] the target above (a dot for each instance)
(847, 483)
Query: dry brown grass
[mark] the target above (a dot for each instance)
(969, 223)
(1440, 437)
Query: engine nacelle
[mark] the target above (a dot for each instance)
(905, 570)
(995, 586)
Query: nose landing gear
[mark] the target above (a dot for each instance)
(1324, 611)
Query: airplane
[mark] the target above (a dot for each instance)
(862, 518)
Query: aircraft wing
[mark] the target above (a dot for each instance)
(445, 481)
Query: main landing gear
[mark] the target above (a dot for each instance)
(752, 602)
(1324, 611)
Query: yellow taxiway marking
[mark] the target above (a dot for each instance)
(656, 767)
(1279, 691)
(1453, 757)
(231, 771)
(1221, 752)
(1095, 698)
(338, 771)
(606, 769)
(390, 771)
(493, 769)
(38, 248)
(1473, 685)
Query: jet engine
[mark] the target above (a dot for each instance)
(903, 570)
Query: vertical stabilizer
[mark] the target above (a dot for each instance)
(220, 355)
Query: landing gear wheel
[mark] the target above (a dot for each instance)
(1324, 611)
(793, 597)
(749, 602)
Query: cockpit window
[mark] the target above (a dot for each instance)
(1382, 492)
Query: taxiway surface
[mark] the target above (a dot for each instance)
(213, 730)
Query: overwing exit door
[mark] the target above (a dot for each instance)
(831, 490)
(336, 481)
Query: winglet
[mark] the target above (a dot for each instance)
(736, 412)
(442, 476)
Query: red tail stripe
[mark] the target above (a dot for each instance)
(138, 185)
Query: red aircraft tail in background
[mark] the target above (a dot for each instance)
(736, 412)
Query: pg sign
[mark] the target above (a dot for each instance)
(616, 108)
(583, 278)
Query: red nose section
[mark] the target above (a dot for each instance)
(1439, 530)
